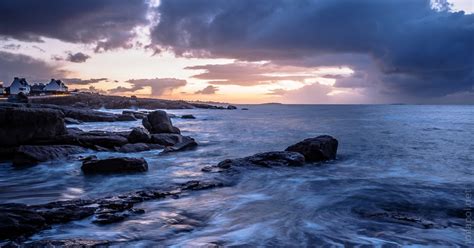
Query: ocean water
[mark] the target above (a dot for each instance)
(414, 160)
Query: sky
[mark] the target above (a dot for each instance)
(246, 51)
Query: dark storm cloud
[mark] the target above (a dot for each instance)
(158, 85)
(77, 57)
(19, 65)
(106, 23)
(414, 50)
(208, 90)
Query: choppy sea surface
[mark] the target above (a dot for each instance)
(416, 160)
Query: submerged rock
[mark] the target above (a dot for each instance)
(266, 159)
(139, 147)
(166, 139)
(159, 122)
(114, 165)
(188, 117)
(186, 143)
(20, 125)
(139, 134)
(31, 155)
(83, 243)
(136, 114)
(321, 148)
(20, 221)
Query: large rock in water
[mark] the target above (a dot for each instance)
(114, 165)
(266, 159)
(159, 122)
(19, 125)
(31, 155)
(321, 148)
(138, 135)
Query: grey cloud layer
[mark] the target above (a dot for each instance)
(106, 23)
(414, 49)
(158, 85)
(13, 65)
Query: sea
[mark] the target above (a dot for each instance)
(403, 177)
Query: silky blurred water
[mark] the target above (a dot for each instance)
(417, 159)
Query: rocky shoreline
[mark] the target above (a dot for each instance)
(34, 133)
(95, 101)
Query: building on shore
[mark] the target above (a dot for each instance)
(38, 89)
(55, 86)
(19, 85)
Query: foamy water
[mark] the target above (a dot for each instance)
(413, 159)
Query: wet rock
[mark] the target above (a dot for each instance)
(159, 122)
(87, 115)
(69, 120)
(83, 243)
(20, 125)
(166, 139)
(102, 139)
(245, 109)
(231, 107)
(17, 220)
(114, 165)
(139, 147)
(113, 217)
(321, 148)
(139, 134)
(401, 218)
(186, 143)
(135, 147)
(136, 114)
(266, 159)
(188, 117)
(31, 155)
(126, 117)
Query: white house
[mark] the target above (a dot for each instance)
(19, 85)
(55, 86)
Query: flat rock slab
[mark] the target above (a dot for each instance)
(31, 155)
(114, 165)
(266, 159)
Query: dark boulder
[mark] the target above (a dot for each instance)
(17, 220)
(321, 148)
(114, 165)
(188, 117)
(88, 115)
(20, 125)
(186, 143)
(159, 122)
(107, 141)
(139, 134)
(266, 159)
(231, 107)
(31, 155)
